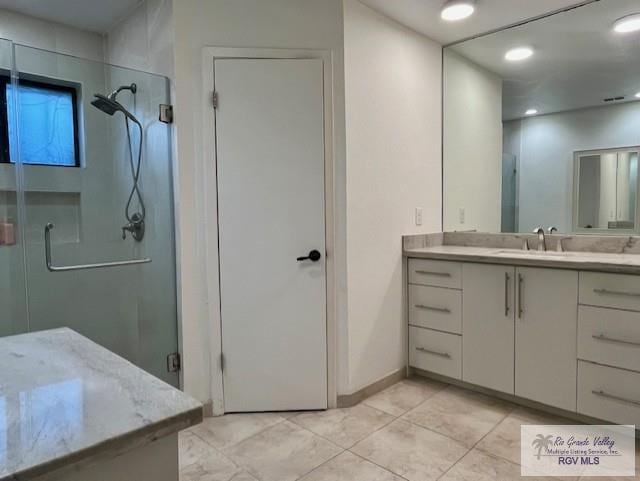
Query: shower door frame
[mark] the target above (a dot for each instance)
(22, 189)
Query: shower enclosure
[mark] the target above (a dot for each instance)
(67, 258)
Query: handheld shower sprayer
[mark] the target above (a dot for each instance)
(109, 105)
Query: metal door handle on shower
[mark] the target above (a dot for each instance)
(81, 267)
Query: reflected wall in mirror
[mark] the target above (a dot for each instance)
(545, 140)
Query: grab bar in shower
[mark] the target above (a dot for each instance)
(82, 267)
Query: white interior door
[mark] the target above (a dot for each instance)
(270, 161)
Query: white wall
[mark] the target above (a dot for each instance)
(144, 39)
(37, 33)
(548, 143)
(472, 145)
(296, 24)
(393, 127)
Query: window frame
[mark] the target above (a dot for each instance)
(5, 151)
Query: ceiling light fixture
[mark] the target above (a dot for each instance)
(517, 54)
(628, 24)
(638, 95)
(531, 112)
(455, 10)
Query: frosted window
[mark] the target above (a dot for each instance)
(47, 130)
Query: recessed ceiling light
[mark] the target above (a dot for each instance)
(517, 54)
(638, 95)
(630, 23)
(457, 10)
(531, 112)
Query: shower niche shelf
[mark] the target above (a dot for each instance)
(61, 208)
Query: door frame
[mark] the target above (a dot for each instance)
(209, 55)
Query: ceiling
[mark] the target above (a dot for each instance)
(93, 15)
(421, 15)
(424, 15)
(578, 62)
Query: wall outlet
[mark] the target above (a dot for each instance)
(418, 215)
(461, 215)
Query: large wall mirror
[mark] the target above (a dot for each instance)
(542, 125)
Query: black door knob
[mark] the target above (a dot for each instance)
(314, 256)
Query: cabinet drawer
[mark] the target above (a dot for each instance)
(435, 273)
(609, 336)
(435, 308)
(610, 290)
(435, 351)
(609, 393)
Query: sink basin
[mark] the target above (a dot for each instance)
(532, 253)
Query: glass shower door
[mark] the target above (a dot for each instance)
(80, 164)
(13, 305)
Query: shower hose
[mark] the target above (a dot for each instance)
(132, 218)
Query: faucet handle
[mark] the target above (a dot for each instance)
(552, 230)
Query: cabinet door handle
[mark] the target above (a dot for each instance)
(433, 273)
(431, 308)
(446, 355)
(506, 293)
(604, 394)
(604, 337)
(616, 293)
(520, 296)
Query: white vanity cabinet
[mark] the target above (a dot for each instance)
(519, 328)
(545, 336)
(435, 316)
(609, 347)
(519, 331)
(488, 326)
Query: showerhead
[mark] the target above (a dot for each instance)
(109, 105)
(106, 104)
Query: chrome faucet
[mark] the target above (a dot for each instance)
(552, 230)
(542, 242)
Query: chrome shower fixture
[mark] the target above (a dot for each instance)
(109, 105)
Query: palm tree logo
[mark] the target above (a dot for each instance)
(541, 442)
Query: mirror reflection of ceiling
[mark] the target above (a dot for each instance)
(578, 62)
(424, 15)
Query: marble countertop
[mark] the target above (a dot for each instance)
(66, 401)
(590, 261)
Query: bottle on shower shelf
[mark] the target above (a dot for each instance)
(7, 233)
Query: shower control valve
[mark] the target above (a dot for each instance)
(135, 228)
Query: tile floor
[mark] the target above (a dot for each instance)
(416, 430)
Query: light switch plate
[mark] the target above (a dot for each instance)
(461, 215)
(418, 215)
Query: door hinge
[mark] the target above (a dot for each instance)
(222, 362)
(174, 362)
(166, 113)
(215, 100)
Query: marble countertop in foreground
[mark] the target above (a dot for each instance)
(622, 263)
(65, 401)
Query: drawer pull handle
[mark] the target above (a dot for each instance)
(616, 398)
(446, 355)
(604, 337)
(616, 293)
(506, 294)
(431, 308)
(520, 296)
(432, 273)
